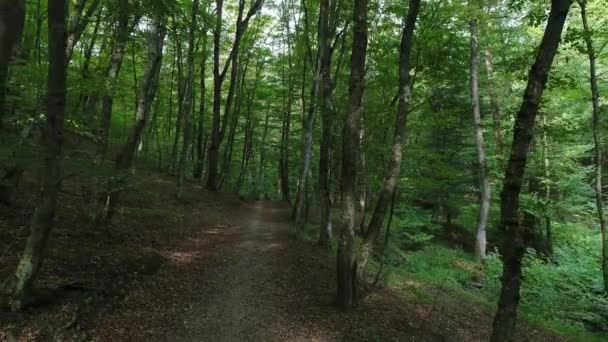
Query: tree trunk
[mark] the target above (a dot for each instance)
(121, 34)
(346, 269)
(12, 19)
(200, 151)
(147, 93)
(188, 102)
(494, 107)
(597, 138)
(327, 112)
(286, 124)
(394, 165)
(547, 189)
(299, 213)
(218, 128)
(514, 244)
(77, 25)
(180, 100)
(262, 167)
(51, 144)
(484, 179)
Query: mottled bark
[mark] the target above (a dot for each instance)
(147, 93)
(51, 144)
(394, 165)
(514, 244)
(78, 22)
(200, 149)
(346, 267)
(494, 107)
(120, 36)
(187, 104)
(327, 30)
(484, 179)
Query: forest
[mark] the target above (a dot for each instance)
(323, 170)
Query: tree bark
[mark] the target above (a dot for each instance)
(484, 179)
(121, 34)
(514, 244)
(394, 165)
(346, 268)
(299, 212)
(200, 150)
(327, 112)
(494, 107)
(286, 122)
(12, 19)
(147, 93)
(188, 102)
(218, 128)
(77, 25)
(51, 144)
(597, 138)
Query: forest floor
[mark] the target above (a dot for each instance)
(211, 267)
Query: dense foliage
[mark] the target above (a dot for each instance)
(271, 95)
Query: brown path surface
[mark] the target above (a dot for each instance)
(246, 279)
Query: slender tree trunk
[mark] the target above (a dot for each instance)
(597, 138)
(547, 189)
(286, 124)
(188, 102)
(147, 93)
(327, 112)
(42, 221)
(299, 214)
(200, 151)
(515, 242)
(218, 128)
(12, 19)
(77, 25)
(121, 34)
(212, 154)
(394, 165)
(494, 107)
(346, 269)
(262, 167)
(362, 186)
(180, 100)
(484, 179)
(245, 155)
(386, 239)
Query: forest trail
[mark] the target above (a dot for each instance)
(245, 278)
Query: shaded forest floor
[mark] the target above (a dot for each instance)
(211, 267)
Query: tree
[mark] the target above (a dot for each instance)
(52, 141)
(119, 40)
(484, 180)
(394, 165)
(516, 238)
(346, 268)
(218, 128)
(12, 19)
(597, 136)
(327, 29)
(146, 94)
(188, 100)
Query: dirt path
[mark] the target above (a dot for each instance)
(244, 278)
